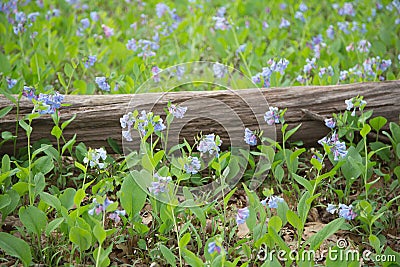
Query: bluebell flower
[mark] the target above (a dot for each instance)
(159, 125)
(219, 70)
(241, 49)
(102, 83)
(303, 7)
(300, 79)
(29, 92)
(331, 208)
(273, 202)
(99, 208)
(94, 16)
(178, 112)
(160, 186)
(93, 158)
(85, 23)
(242, 215)
(284, 23)
(11, 82)
(108, 32)
(330, 32)
(330, 123)
(49, 102)
(272, 116)
(32, 16)
(347, 9)
(116, 215)
(192, 165)
(90, 61)
(249, 137)
(209, 144)
(347, 212)
(339, 150)
(213, 247)
(364, 46)
(131, 45)
(299, 15)
(343, 75)
(343, 26)
(161, 9)
(385, 64)
(155, 71)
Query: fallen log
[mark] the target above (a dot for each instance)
(98, 115)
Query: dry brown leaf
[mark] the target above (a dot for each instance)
(243, 230)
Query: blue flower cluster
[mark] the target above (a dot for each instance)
(192, 165)
(160, 186)
(209, 144)
(103, 84)
(144, 121)
(274, 66)
(93, 158)
(344, 211)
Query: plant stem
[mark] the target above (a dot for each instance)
(28, 134)
(177, 236)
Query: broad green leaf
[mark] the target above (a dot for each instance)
(191, 258)
(56, 131)
(68, 70)
(275, 222)
(365, 130)
(67, 122)
(5, 200)
(53, 225)
(67, 198)
(132, 196)
(80, 237)
(316, 240)
(304, 182)
(79, 196)
(184, 240)
(99, 233)
(16, 247)
(33, 219)
(51, 200)
(294, 220)
(377, 123)
(168, 255)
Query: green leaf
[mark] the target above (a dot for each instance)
(4, 111)
(79, 196)
(99, 233)
(80, 237)
(168, 255)
(114, 145)
(16, 247)
(377, 123)
(56, 131)
(275, 222)
(132, 196)
(67, 198)
(67, 122)
(316, 240)
(51, 200)
(304, 182)
(68, 70)
(5, 200)
(184, 240)
(61, 80)
(69, 144)
(26, 127)
(294, 220)
(33, 219)
(289, 133)
(14, 197)
(365, 130)
(375, 243)
(53, 225)
(191, 258)
(303, 207)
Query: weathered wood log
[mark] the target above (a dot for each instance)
(98, 115)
